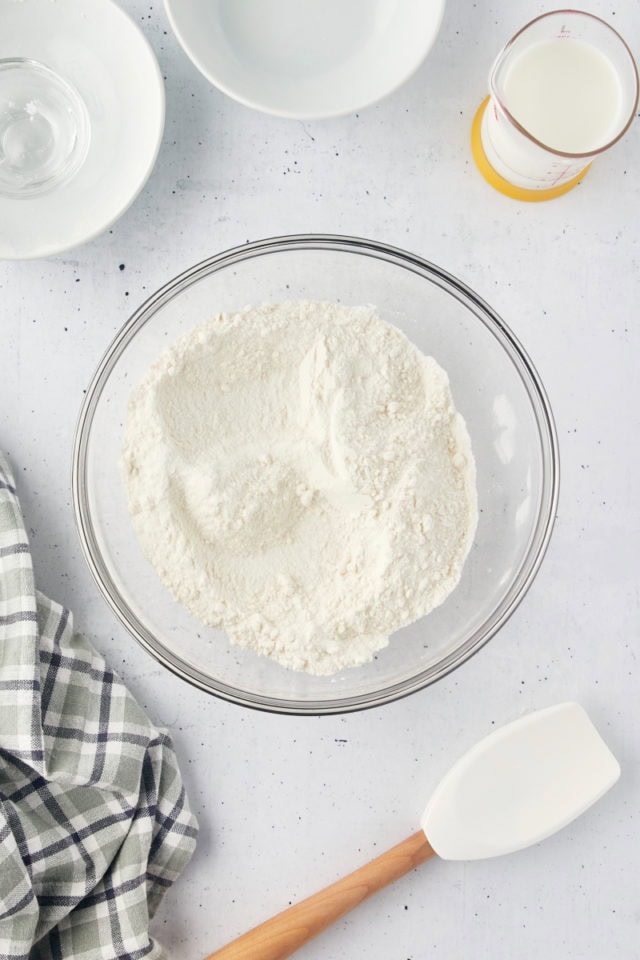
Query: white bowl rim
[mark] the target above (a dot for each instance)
(339, 110)
(74, 198)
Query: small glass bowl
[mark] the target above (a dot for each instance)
(44, 129)
(494, 386)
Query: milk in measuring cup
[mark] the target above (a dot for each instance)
(565, 94)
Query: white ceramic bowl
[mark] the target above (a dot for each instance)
(494, 386)
(306, 58)
(95, 47)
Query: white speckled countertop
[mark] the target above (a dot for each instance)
(286, 805)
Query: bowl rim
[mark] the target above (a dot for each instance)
(521, 581)
(75, 194)
(271, 107)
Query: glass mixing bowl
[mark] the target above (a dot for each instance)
(494, 386)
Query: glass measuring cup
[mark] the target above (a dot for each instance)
(563, 90)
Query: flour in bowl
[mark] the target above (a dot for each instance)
(298, 476)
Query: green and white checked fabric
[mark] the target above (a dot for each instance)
(94, 821)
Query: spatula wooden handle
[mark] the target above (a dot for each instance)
(288, 931)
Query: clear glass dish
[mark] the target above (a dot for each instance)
(44, 128)
(494, 385)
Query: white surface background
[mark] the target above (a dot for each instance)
(287, 805)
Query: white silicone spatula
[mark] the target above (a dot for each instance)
(517, 786)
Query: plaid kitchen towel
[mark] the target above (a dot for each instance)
(94, 821)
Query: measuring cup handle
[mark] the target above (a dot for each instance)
(285, 933)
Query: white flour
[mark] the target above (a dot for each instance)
(298, 476)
